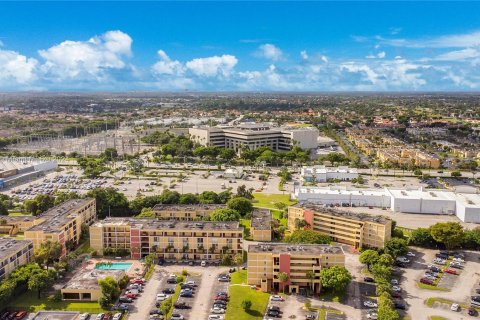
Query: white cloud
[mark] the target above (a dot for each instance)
(379, 55)
(167, 65)
(212, 66)
(269, 51)
(304, 55)
(471, 39)
(324, 59)
(16, 67)
(463, 54)
(87, 60)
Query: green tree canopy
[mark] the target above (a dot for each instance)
(335, 278)
(396, 247)
(49, 252)
(422, 237)
(308, 237)
(224, 214)
(242, 205)
(368, 257)
(448, 233)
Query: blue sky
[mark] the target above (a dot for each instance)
(240, 46)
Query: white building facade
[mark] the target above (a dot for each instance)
(324, 174)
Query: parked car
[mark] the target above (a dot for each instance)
(369, 304)
(125, 299)
(410, 254)
(172, 280)
(191, 283)
(372, 316)
(396, 288)
(181, 305)
(168, 291)
(117, 316)
(399, 305)
(426, 281)
(475, 298)
(273, 313)
(177, 316)
(224, 278)
(276, 298)
(21, 314)
(472, 311)
(434, 268)
(186, 294)
(203, 263)
(156, 311)
(217, 310)
(451, 271)
(394, 282)
(84, 316)
(100, 316)
(215, 317)
(396, 294)
(368, 279)
(455, 307)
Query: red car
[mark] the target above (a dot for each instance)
(20, 315)
(426, 281)
(137, 281)
(131, 295)
(451, 271)
(224, 298)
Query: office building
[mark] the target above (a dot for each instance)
(13, 254)
(267, 260)
(169, 240)
(356, 230)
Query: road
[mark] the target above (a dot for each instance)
(146, 302)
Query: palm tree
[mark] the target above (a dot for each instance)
(310, 276)
(283, 277)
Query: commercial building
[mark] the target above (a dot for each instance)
(84, 284)
(169, 240)
(261, 225)
(15, 171)
(466, 206)
(62, 223)
(14, 253)
(252, 136)
(233, 173)
(185, 211)
(324, 174)
(266, 261)
(356, 230)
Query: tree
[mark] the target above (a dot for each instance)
(40, 281)
(110, 289)
(396, 247)
(238, 259)
(456, 174)
(109, 201)
(381, 271)
(243, 192)
(147, 213)
(471, 239)
(224, 214)
(283, 277)
(31, 206)
(188, 198)
(242, 205)
(48, 252)
(385, 260)
(422, 237)
(300, 223)
(368, 257)
(308, 237)
(448, 233)
(61, 197)
(208, 197)
(246, 305)
(310, 276)
(335, 278)
(3, 209)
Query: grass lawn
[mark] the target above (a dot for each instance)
(29, 302)
(437, 318)
(430, 287)
(276, 215)
(246, 224)
(267, 200)
(238, 293)
(332, 296)
(19, 214)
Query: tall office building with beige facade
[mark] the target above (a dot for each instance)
(169, 240)
(185, 212)
(62, 223)
(354, 229)
(267, 260)
(14, 253)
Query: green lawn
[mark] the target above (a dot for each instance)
(276, 215)
(437, 318)
(238, 293)
(19, 214)
(430, 287)
(267, 200)
(29, 301)
(246, 224)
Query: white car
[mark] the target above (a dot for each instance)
(215, 317)
(217, 310)
(396, 288)
(403, 259)
(439, 261)
(100, 316)
(85, 316)
(372, 316)
(410, 254)
(203, 263)
(454, 307)
(161, 297)
(190, 283)
(276, 298)
(369, 304)
(117, 316)
(458, 260)
(394, 282)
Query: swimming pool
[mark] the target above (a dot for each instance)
(125, 266)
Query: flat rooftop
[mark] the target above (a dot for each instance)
(187, 207)
(18, 163)
(323, 169)
(262, 219)
(342, 213)
(317, 190)
(10, 246)
(157, 224)
(88, 279)
(470, 200)
(57, 217)
(304, 249)
(422, 194)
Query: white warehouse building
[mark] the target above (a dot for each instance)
(466, 206)
(323, 173)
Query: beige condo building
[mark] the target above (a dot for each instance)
(267, 260)
(185, 211)
(261, 225)
(354, 229)
(14, 253)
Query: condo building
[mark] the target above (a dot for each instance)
(168, 240)
(267, 260)
(261, 225)
(356, 230)
(62, 223)
(14, 253)
(185, 211)
(252, 136)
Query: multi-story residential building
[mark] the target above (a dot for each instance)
(62, 223)
(323, 174)
(252, 136)
(185, 211)
(267, 260)
(169, 240)
(14, 253)
(356, 230)
(261, 225)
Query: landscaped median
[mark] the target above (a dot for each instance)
(240, 291)
(322, 312)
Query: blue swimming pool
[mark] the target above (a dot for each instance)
(125, 266)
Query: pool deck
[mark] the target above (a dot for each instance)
(90, 265)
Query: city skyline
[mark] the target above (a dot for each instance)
(232, 46)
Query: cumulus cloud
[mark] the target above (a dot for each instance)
(456, 55)
(165, 65)
(304, 55)
(212, 66)
(87, 60)
(379, 55)
(16, 67)
(269, 51)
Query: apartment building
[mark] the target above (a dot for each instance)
(62, 223)
(252, 136)
(266, 261)
(169, 240)
(185, 212)
(261, 225)
(14, 253)
(354, 229)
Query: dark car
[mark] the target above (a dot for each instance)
(156, 311)
(172, 280)
(472, 312)
(477, 290)
(181, 305)
(187, 286)
(426, 281)
(441, 256)
(399, 305)
(274, 308)
(168, 291)
(396, 294)
(108, 316)
(218, 301)
(121, 306)
(476, 298)
(434, 269)
(273, 313)
(186, 294)
(368, 279)
(125, 299)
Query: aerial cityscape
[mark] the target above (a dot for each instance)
(239, 160)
